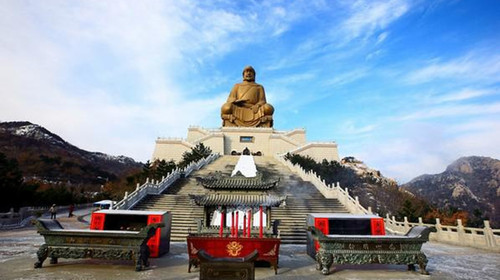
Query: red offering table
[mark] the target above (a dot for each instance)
(235, 247)
(134, 220)
(342, 224)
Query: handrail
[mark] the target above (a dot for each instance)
(310, 144)
(329, 191)
(286, 138)
(158, 187)
(483, 238)
(25, 214)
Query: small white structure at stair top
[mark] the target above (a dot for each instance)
(245, 165)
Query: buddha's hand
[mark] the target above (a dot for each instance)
(255, 108)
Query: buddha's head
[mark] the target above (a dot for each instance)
(249, 74)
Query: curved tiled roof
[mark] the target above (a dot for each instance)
(238, 182)
(231, 199)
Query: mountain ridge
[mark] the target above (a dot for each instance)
(469, 183)
(44, 155)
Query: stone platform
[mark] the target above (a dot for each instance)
(18, 253)
(259, 140)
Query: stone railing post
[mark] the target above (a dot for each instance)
(420, 221)
(438, 227)
(125, 200)
(488, 235)
(406, 225)
(460, 232)
(394, 223)
(23, 212)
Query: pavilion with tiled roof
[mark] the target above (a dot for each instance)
(237, 182)
(244, 194)
(238, 199)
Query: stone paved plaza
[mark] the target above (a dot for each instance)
(18, 254)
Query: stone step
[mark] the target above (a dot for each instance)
(302, 198)
(293, 233)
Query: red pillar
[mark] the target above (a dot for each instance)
(221, 230)
(250, 223)
(232, 223)
(237, 223)
(244, 225)
(260, 223)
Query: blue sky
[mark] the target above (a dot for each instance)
(406, 86)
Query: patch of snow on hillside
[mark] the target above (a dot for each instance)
(36, 132)
(120, 159)
(26, 130)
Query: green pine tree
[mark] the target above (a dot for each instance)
(198, 152)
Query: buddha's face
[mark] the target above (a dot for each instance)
(249, 75)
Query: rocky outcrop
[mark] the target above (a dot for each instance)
(470, 183)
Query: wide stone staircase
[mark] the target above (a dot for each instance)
(184, 215)
(302, 198)
(293, 217)
(176, 199)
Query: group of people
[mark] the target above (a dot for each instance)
(53, 211)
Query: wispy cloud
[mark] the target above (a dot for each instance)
(478, 65)
(465, 94)
(381, 37)
(427, 148)
(112, 76)
(351, 20)
(454, 111)
(367, 17)
(350, 129)
(295, 78)
(347, 77)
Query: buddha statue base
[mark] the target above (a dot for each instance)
(228, 120)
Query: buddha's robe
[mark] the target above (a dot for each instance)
(247, 106)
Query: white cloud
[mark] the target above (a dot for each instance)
(112, 76)
(381, 37)
(347, 77)
(351, 129)
(454, 111)
(428, 148)
(478, 66)
(374, 54)
(369, 16)
(350, 20)
(65, 65)
(295, 78)
(465, 94)
(42, 45)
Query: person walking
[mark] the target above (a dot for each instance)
(53, 212)
(71, 209)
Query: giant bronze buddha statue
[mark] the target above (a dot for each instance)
(246, 104)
